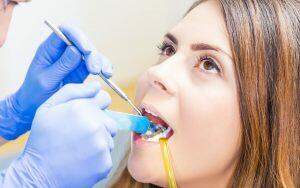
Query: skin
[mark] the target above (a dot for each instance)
(198, 102)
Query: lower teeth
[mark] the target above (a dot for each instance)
(161, 132)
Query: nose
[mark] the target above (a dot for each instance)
(161, 78)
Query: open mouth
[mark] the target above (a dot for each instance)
(160, 129)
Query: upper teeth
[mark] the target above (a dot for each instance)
(149, 112)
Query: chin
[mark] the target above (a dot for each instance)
(147, 169)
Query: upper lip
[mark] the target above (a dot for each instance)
(154, 110)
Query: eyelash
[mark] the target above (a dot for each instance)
(165, 46)
(202, 59)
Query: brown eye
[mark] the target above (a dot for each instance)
(169, 51)
(207, 64)
(166, 49)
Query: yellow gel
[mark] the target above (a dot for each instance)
(167, 162)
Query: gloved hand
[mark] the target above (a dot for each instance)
(54, 65)
(70, 141)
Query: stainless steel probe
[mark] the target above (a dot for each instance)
(110, 83)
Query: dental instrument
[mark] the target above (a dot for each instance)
(110, 83)
(140, 128)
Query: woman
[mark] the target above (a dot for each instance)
(227, 83)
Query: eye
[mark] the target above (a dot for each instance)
(166, 49)
(207, 64)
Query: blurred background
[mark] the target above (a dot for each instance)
(126, 31)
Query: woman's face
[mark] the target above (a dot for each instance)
(193, 89)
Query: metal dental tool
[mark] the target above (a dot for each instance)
(110, 83)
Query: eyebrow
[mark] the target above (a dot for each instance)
(198, 46)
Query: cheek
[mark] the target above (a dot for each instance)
(142, 88)
(208, 132)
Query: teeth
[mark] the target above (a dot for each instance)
(149, 112)
(158, 131)
(150, 137)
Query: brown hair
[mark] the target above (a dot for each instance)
(265, 41)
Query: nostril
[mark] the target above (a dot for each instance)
(160, 85)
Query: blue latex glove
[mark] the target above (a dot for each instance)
(70, 141)
(54, 65)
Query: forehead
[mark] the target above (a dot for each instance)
(204, 24)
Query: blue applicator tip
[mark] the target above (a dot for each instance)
(135, 123)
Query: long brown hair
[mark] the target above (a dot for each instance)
(265, 41)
